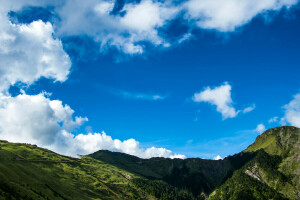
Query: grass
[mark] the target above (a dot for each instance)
(29, 172)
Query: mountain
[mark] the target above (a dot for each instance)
(274, 171)
(199, 176)
(267, 169)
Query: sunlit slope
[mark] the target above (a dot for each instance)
(29, 172)
(274, 171)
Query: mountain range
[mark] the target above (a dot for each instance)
(268, 169)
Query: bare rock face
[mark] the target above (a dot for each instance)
(253, 175)
(127, 176)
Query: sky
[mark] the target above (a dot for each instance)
(168, 78)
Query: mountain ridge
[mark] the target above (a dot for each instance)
(268, 169)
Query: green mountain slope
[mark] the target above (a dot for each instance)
(29, 172)
(267, 169)
(274, 171)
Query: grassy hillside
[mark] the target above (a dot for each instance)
(29, 172)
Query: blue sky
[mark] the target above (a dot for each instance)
(146, 91)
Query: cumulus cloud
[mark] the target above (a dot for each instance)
(292, 112)
(35, 119)
(48, 123)
(128, 28)
(138, 23)
(260, 128)
(228, 15)
(220, 97)
(29, 52)
(69, 144)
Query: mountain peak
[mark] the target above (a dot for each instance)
(276, 141)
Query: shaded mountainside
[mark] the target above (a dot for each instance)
(198, 175)
(270, 166)
(267, 169)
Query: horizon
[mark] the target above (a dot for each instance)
(111, 151)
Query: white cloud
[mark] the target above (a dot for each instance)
(218, 157)
(147, 15)
(142, 22)
(228, 15)
(84, 144)
(249, 109)
(64, 113)
(48, 123)
(260, 128)
(292, 112)
(220, 97)
(34, 118)
(29, 52)
(273, 119)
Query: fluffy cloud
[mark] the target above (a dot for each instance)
(260, 128)
(220, 97)
(34, 119)
(48, 123)
(139, 23)
(292, 112)
(227, 15)
(128, 28)
(84, 144)
(29, 52)
(147, 15)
